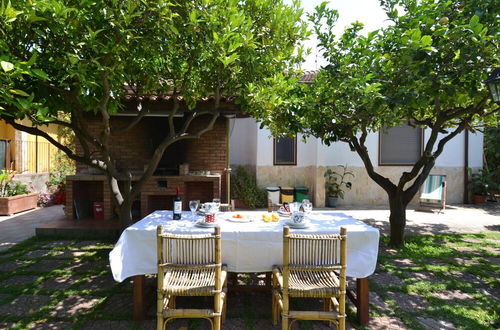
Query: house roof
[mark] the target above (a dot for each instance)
(308, 76)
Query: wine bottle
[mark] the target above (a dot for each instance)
(177, 205)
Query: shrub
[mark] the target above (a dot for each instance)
(244, 187)
(9, 187)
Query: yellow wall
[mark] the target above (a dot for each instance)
(29, 153)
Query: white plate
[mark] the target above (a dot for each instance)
(204, 224)
(294, 225)
(245, 219)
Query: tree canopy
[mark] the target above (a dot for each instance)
(77, 57)
(426, 68)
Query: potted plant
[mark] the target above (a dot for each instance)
(481, 184)
(335, 183)
(14, 195)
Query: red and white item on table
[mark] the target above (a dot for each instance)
(210, 218)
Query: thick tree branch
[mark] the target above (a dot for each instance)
(362, 151)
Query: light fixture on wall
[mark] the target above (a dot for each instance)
(493, 83)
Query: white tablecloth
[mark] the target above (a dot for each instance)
(246, 247)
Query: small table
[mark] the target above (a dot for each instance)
(246, 248)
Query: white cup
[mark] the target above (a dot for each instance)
(298, 217)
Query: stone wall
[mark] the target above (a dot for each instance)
(364, 190)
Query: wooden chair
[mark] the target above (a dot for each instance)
(314, 266)
(190, 265)
(433, 193)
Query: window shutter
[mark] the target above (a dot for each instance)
(285, 151)
(400, 145)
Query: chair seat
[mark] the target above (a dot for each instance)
(312, 284)
(192, 282)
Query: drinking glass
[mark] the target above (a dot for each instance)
(307, 205)
(217, 203)
(193, 206)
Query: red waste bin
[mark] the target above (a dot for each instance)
(98, 210)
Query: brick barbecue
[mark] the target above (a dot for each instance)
(133, 151)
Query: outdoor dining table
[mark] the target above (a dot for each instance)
(247, 247)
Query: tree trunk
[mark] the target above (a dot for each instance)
(125, 214)
(397, 219)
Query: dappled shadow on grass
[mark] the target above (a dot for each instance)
(412, 229)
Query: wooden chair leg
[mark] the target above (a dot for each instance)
(160, 323)
(217, 322)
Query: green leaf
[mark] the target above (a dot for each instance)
(19, 92)
(474, 20)
(40, 74)
(7, 66)
(426, 40)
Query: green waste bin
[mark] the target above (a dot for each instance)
(301, 193)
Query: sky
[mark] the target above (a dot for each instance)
(368, 12)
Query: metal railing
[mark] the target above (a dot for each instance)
(26, 156)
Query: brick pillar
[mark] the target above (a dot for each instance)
(68, 210)
(108, 204)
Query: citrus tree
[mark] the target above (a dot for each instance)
(83, 57)
(426, 69)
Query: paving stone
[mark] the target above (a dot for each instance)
(87, 244)
(466, 278)
(387, 323)
(36, 254)
(378, 302)
(235, 324)
(54, 244)
(86, 265)
(61, 282)
(452, 295)
(491, 249)
(119, 303)
(492, 260)
(7, 255)
(18, 280)
(12, 265)
(106, 325)
(432, 324)
(467, 249)
(147, 325)
(491, 292)
(59, 325)
(436, 262)
(384, 251)
(98, 282)
(466, 261)
(492, 240)
(386, 279)
(472, 240)
(408, 303)
(74, 306)
(403, 263)
(6, 325)
(67, 254)
(426, 276)
(24, 305)
(46, 265)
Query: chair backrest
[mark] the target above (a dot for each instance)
(314, 253)
(188, 252)
(433, 187)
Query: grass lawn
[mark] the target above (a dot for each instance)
(441, 281)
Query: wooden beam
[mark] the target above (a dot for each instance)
(363, 304)
(138, 297)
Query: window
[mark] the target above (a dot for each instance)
(285, 151)
(400, 145)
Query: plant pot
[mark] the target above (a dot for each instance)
(479, 199)
(19, 203)
(332, 201)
